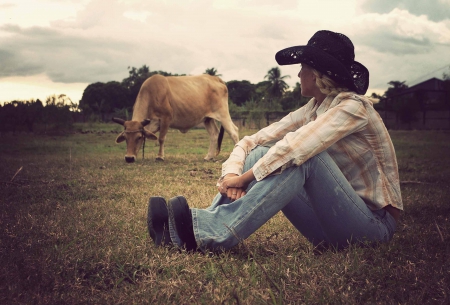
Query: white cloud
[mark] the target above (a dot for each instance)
(37, 87)
(39, 12)
(400, 46)
(96, 40)
(401, 32)
(436, 10)
(137, 15)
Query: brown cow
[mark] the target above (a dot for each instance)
(179, 102)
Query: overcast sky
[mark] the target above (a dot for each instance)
(60, 46)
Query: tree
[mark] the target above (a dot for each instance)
(61, 100)
(396, 88)
(135, 80)
(293, 100)
(212, 71)
(57, 112)
(92, 98)
(277, 84)
(13, 115)
(404, 107)
(261, 90)
(101, 98)
(378, 101)
(240, 91)
(33, 113)
(446, 77)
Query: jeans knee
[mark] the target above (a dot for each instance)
(320, 156)
(257, 153)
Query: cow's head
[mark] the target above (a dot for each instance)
(133, 134)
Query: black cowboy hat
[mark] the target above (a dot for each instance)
(333, 55)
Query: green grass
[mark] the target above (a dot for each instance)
(73, 230)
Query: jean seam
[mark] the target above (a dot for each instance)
(195, 224)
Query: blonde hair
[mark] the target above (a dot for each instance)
(330, 87)
(327, 85)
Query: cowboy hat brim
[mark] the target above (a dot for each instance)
(355, 77)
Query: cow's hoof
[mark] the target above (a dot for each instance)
(159, 159)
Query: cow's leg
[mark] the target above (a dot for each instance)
(163, 128)
(229, 127)
(213, 132)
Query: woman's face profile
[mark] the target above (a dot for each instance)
(307, 80)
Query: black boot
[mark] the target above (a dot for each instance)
(158, 221)
(181, 217)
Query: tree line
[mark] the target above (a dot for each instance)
(55, 113)
(249, 101)
(100, 99)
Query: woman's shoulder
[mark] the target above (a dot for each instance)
(349, 95)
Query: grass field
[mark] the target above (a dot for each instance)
(73, 230)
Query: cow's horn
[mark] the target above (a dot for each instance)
(118, 121)
(145, 122)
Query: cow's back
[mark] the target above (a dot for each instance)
(194, 97)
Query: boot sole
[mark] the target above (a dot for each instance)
(180, 216)
(157, 220)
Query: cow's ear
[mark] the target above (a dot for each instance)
(149, 135)
(145, 122)
(120, 138)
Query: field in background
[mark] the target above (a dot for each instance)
(73, 230)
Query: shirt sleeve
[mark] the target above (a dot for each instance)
(299, 145)
(267, 136)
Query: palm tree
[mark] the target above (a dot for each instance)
(396, 88)
(278, 85)
(212, 71)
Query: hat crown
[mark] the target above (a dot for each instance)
(332, 54)
(335, 44)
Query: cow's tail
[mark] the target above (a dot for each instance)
(219, 139)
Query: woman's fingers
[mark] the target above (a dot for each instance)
(222, 190)
(235, 193)
(241, 194)
(231, 193)
(238, 193)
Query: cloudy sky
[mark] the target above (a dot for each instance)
(60, 46)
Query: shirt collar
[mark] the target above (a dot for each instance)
(325, 104)
(332, 100)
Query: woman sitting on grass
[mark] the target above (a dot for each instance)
(330, 166)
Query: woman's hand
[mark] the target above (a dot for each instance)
(234, 186)
(228, 187)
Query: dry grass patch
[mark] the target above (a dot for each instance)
(73, 230)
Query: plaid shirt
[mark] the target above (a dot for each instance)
(348, 128)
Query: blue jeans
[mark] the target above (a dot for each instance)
(315, 197)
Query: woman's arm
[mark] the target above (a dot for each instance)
(267, 136)
(298, 146)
